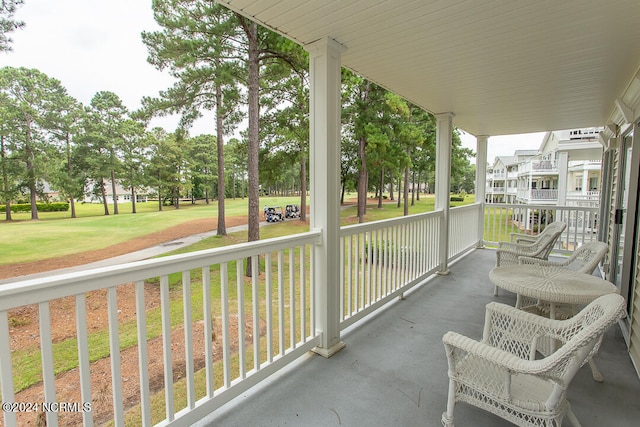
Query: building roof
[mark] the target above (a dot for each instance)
(501, 66)
(526, 152)
(508, 160)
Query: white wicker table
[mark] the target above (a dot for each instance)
(555, 285)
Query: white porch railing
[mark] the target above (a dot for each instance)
(463, 228)
(265, 322)
(383, 259)
(503, 219)
(538, 194)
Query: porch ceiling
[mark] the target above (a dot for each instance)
(502, 66)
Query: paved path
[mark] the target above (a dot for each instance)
(132, 256)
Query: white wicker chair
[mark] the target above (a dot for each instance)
(539, 246)
(585, 259)
(501, 375)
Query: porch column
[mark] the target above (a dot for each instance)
(481, 183)
(444, 128)
(563, 172)
(324, 159)
(585, 181)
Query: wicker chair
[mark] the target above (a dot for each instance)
(501, 375)
(585, 259)
(539, 246)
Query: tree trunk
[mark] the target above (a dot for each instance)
(399, 191)
(381, 187)
(254, 136)
(303, 188)
(103, 191)
(363, 177)
(159, 193)
(70, 175)
(5, 180)
(133, 199)
(391, 186)
(413, 188)
(31, 177)
(406, 190)
(113, 191)
(362, 180)
(419, 185)
(222, 227)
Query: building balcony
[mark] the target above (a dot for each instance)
(194, 321)
(538, 167)
(495, 190)
(538, 195)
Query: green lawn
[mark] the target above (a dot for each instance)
(56, 234)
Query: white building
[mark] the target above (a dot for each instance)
(502, 177)
(122, 195)
(564, 170)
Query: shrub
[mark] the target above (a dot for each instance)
(456, 199)
(42, 207)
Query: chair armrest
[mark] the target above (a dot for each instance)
(520, 238)
(457, 343)
(537, 261)
(513, 246)
(506, 257)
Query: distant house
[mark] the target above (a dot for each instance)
(502, 177)
(123, 195)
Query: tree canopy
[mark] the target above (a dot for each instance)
(257, 84)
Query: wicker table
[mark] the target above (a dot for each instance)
(554, 285)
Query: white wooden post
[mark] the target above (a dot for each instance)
(324, 158)
(563, 172)
(481, 183)
(444, 128)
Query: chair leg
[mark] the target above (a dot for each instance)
(447, 417)
(495, 291)
(446, 420)
(597, 375)
(573, 419)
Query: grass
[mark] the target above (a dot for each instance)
(56, 235)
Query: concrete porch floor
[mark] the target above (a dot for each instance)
(393, 371)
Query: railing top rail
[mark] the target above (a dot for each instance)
(32, 291)
(374, 225)
(476, 205)
(545, 207)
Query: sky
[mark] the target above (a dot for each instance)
(95, 45)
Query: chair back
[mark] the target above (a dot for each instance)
(585, 259)
(548, 238)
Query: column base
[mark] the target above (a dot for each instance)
(328, 352)
(443, 272)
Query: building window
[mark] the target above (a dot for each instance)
(578, 182)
